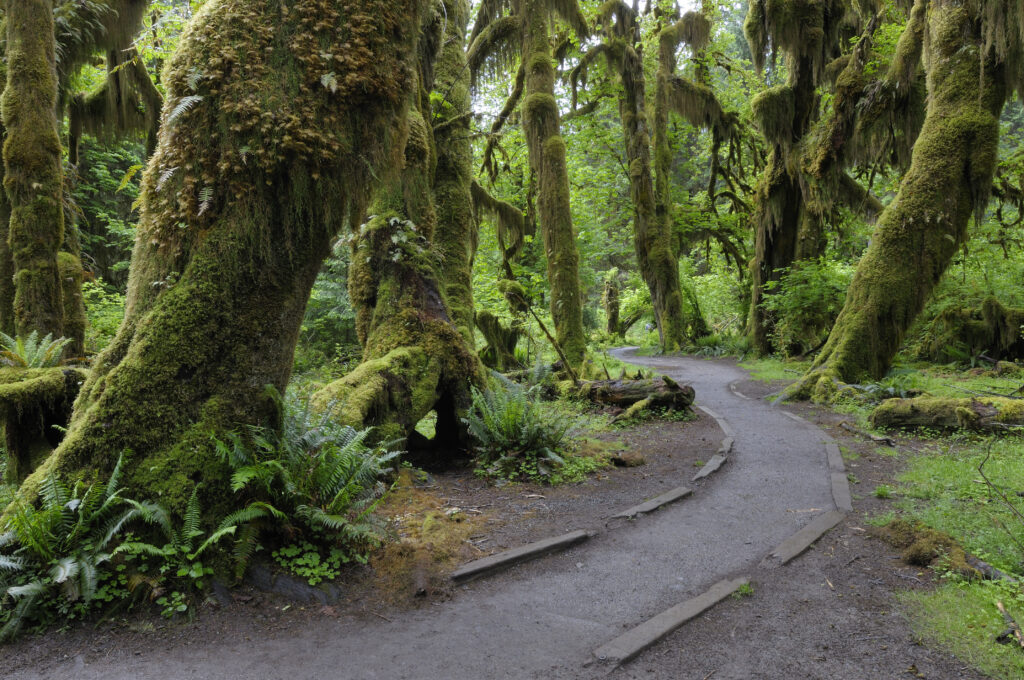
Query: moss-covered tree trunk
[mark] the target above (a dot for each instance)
(298, 107)
(541, 127)
(785, 228)
(652, 228)
(948, 181)
(455, 238)
(659, 262)
(416, 357)
(33, 172)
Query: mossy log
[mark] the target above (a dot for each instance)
(983, 413)
(258, 165)
(34, 403)
(657, 392)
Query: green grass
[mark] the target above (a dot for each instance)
(962, 618)
(767, 369)
(944, 490)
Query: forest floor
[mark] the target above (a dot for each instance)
(831, 613)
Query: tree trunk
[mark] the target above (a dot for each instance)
(652, 229)
(785, 228)
(33, 176)
(547, 157)
(948, 181)
(612, 306)
(415, 359)
(253, 177)
(500, 352)
(455, 239)
(655, 238)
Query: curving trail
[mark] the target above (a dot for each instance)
(544, 619)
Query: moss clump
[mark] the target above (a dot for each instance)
(924, 547)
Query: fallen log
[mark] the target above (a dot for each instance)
(985, 413)
(637, 395)
(1013, 632)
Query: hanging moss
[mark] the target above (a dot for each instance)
(277, 119)
(500, 351)
(948, 181)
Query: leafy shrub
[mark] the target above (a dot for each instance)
(515, 436)
(31, 352)
(805, 302)
(55, 559)
(313, 477)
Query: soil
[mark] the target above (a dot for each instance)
(830, 613)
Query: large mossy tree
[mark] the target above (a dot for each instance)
(411, 264)
(503, 30)
(278, 118)
(973, 56)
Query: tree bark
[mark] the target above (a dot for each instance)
(547, 157)
(33, 176)
(948, 181)
(253, 177)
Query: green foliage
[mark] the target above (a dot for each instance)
(178, 559)
(313, 477)
(312, 562)
(104, 308)
(806, 301)
(31, 351)
(962, 617)
(515, 436)
(56, 560)
(329, 327)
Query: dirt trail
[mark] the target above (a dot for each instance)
(544, 619)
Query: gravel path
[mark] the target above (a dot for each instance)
(545, 618)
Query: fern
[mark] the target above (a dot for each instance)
(184, 105)
(57, 552)
(313, 477)
(31, 351)
(513, 432)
